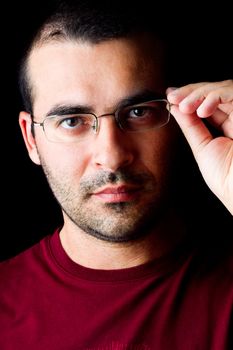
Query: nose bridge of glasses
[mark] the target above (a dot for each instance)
(113, 114)
(110, 114)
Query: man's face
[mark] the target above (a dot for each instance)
(113, 184)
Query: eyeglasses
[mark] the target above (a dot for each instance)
(135, 118)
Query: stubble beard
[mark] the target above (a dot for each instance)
(112, 222)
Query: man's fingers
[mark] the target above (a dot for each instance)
(221, 98)
(195, 131)
(203, 97)
(176, 95)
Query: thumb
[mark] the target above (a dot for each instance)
(193, 128)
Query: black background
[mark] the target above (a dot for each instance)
(201, 42)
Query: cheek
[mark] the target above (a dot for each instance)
(70, 160)
(157, 149)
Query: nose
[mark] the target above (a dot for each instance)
(113, 148)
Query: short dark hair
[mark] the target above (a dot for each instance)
(89, 21)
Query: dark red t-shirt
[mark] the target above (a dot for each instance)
(49, 302)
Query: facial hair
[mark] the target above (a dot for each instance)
(112, 222)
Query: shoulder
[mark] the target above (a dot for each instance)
(18, 268)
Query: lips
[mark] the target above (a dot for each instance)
(117, 194)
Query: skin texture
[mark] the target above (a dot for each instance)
(113, 186)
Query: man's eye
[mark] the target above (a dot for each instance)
(71, 122)
(140, 112)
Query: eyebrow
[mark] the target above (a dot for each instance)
(68, 109)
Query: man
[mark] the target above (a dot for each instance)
(122, 272)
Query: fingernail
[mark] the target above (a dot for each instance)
(171, 90)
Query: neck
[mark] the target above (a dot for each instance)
(91, 252)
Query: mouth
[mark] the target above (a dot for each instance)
(117, 194)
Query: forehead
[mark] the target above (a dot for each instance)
(64, 69)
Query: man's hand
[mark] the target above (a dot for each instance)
(214, 154)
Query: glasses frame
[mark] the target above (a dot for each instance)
(115, 114)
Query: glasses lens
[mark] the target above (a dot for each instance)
(144, 116)
(69, 128)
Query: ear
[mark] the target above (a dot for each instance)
(25, 124)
